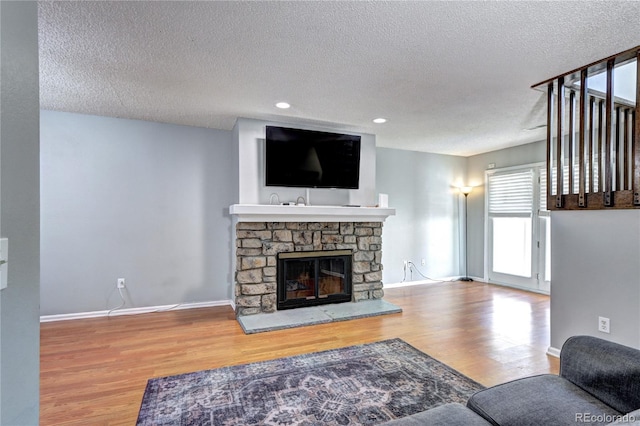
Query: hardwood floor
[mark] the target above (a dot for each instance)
(94, 371)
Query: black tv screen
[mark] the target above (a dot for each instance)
(311, 159)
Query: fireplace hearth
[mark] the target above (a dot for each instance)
(313, 278)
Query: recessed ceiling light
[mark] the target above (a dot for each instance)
(379, 120)
(282, 105)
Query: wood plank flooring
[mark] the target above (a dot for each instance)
(94, 371)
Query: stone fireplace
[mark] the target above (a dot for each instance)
(258, 245)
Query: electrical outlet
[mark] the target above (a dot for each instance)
(603, 325)
(405, 263)
(120, 282)
(423, 262)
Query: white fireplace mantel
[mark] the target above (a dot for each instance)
(287, 213)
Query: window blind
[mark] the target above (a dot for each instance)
(511, 192)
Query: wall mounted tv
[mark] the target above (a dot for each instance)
(311, 159)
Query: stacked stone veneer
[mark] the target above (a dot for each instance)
(258, 244)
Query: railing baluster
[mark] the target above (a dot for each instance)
(625, 148)
(582, 202)
(549, 141)
(559, 140)
(591, 150)
(617, 161)
(635, 150)
(572, 139)
(608, 175)
(601, 155)
(634, 137)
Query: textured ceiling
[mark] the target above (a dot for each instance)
(450, 77)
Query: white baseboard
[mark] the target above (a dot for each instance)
(553, 352)
(410, 283)
(135, 311)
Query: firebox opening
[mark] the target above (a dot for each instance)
(313, 278)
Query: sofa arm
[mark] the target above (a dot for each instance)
(609, 371)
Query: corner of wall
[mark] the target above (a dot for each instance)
(19, 208)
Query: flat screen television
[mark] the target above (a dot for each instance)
(311, 159)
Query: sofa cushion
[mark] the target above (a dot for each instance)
(539, 400)
(445, 415)
(607, 370)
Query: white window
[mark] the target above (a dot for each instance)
(518, 228)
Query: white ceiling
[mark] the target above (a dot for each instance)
(450, 77)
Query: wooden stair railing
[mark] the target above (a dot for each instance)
(594, 135)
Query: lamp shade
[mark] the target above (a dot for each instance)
(466, 190)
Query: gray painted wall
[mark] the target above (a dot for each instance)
(19, 214)
(477, 166)
(595, 268)
(140, 200)
(427, 225)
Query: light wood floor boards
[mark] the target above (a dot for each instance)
(94, 371)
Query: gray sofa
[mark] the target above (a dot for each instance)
(598, 384)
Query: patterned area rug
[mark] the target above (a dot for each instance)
(358, 385)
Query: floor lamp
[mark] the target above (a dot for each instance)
(466, 190)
